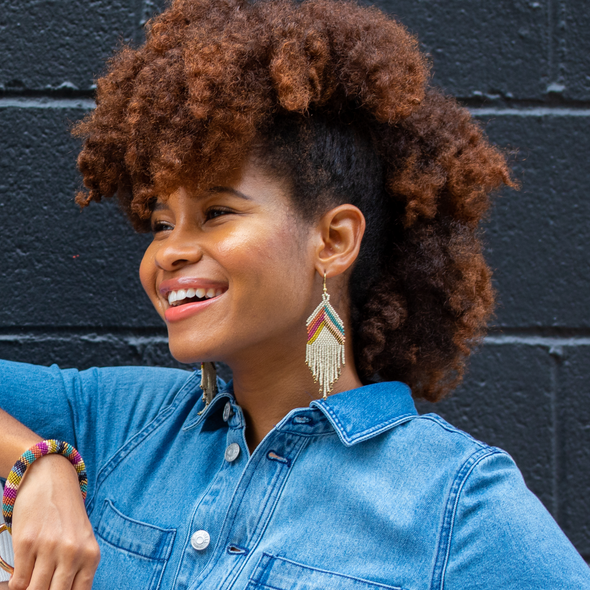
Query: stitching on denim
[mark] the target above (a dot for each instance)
(450, 428)
(169, 534)
(448, 525)
(217, 555)
(302, 444)
(139, 437)
(222, 466)
(381, 427)
(327, 572)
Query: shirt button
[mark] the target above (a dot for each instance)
(227, 412)
(232, 452)
(200, 540)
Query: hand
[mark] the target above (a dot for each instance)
(53, 540)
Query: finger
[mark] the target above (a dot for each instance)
(24, 561)
(83, 581)
(41, 577)
(85, 577)
(63, 579)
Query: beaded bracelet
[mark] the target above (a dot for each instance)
(46, 447)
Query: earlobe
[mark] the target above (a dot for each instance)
(342, 230)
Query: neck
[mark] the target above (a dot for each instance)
(268, 386)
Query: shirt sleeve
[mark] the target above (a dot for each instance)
(501, 536)
(96, 410)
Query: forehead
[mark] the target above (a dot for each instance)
(251, 183)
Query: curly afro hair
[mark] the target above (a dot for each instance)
(335, 98)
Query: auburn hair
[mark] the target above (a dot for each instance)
(335, 98)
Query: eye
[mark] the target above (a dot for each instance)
(160, 226)
(215, 212)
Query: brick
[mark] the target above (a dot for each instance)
(61, 267)
(573, 50)
(574, 440)
(538, 237)
(505, 401)
(55, 44)
(481, 48)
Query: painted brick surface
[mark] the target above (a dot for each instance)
(481, 48)
(68, 281)
(60, 44)
(83, 267)
(546, 225)
(574, 442)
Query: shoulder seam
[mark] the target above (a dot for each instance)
(453, 429)
(447, 527)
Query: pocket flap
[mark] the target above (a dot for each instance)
(143, 539)
(282, 574)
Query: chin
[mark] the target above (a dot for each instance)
(188, 352)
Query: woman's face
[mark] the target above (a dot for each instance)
(231, 271)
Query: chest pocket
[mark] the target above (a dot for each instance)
(132, 554)
(276, 573)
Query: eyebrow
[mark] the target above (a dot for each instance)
(161, 205)
(228, 189)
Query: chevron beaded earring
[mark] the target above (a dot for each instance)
(324, 352)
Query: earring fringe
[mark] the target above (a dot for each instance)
(324, 352)
(208, 383)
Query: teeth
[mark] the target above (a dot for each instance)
(181, 294)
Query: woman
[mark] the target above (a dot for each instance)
(314, 205)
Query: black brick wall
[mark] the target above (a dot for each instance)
(68, 280)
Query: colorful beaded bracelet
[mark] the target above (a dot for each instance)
(46, 447)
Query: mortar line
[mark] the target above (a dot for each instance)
(529, 112)
(544, 341)
(47, 103)
(550, 72)
(555, 471)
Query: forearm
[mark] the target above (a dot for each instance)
(15, 439)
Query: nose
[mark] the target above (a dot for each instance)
(178, 250)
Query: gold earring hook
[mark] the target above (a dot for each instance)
(325, 288)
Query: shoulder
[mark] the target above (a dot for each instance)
(430, 441)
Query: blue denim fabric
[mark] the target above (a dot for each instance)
(354, 493)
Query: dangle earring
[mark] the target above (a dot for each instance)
(324, 352)
(208, 383)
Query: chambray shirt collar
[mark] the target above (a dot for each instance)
(356, 415)
(360, 414)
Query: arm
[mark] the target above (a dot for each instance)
(53, 540)
(501, 536)
(96, 411)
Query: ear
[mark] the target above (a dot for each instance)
(340, 231)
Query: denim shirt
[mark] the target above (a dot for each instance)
(357, 492)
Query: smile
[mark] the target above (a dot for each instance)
(184, 296)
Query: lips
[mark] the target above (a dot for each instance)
(187, 296)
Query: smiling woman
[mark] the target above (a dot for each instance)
(314, 206)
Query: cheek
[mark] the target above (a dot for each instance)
(147, 270)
